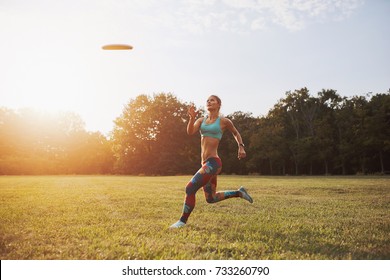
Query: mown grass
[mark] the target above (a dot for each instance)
(114, 217)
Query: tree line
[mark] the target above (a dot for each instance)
(301, 134)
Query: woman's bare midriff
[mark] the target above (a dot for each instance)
(209, 147)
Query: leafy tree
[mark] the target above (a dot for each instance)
(245, 124)
(269, 145)
(300, 110)
(40, 143)
(326, 127)
(150, 137)
(377, 127)
(301, 134)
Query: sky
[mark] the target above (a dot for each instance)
(248, 52)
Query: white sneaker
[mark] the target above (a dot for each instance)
(245, 195)
(178, 224)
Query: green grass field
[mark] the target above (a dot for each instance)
(115, 217)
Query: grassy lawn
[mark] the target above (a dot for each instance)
(119, 217)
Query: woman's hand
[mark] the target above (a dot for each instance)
(241, 152)
(191, 112)
(192, 125)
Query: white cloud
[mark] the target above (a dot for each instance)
(249, 15)
(258, 24)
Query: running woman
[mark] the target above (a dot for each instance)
(211, 128)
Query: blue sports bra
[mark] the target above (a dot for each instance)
(211, 130)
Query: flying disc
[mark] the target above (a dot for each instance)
(117, 47)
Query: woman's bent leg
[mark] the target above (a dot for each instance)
(213, 196)
(210, 168)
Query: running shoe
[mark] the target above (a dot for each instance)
(245, 195)
(178, 224)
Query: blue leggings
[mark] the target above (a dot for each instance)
(206, 177)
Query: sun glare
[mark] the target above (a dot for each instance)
(51, 81)
(46, 102)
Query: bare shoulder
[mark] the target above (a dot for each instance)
(198, 121)
(226, 120)
(226, 123)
